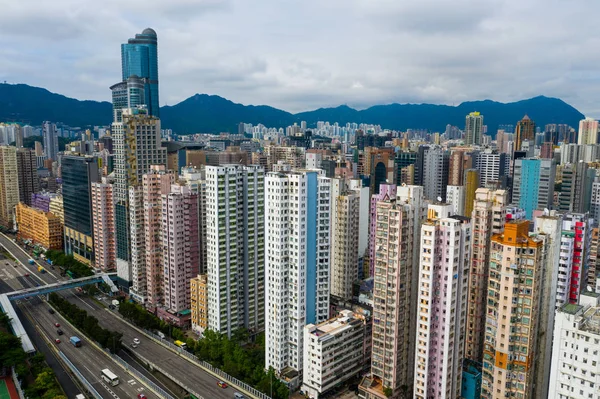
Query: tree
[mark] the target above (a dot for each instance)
(11, 351)
(387, 391)
(4, 321)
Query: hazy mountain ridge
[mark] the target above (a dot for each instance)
(204, 113)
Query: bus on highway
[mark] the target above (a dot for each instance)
(110, 377)
(180, 344)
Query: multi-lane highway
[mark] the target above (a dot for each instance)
(189, 374)
(88, 359)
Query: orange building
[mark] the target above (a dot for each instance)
(513, 310)
(42, 228)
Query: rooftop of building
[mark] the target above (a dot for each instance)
(334, 325)
(571, 308)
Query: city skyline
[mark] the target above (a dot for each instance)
(292, 57)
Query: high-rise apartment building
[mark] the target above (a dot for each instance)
(455, 196)
(588, 131)
(155, 184)
(9, 185)
(573, 265)
(513, 309)
(50, 136)
(456, 169)
(548, 228)
(57, 208)
(492, 166)
(345, 228)
(533, 184)
(195, 179)
(386, 192)
(576, 189)
(235, 247)
(394, 245)
(435, 168)
(442, 303)
(575, 367)
(297, 217)
(471, 186)
(139, 58)
(103, 211)
(29, 182)
(488, 218)
(473, 128)
(180, 246)
(136, 270)
(78, 174)
(525, 130)
(137, 147)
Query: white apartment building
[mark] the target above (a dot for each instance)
(455, 196)
(491, 165)
(575, 366)
(235, 247)
(442, 303)
(297, 265)
(333, 353)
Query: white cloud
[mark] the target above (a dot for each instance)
(304, 55)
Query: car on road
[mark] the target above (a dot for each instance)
(26, 274)
(51, 311)
(238, 395)
(57, 341)
(56, 325)
(136, 341)
(142, 396)
(222, 384)
(59, 332)
(134, 345)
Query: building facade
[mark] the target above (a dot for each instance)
(199, 303)
(473, 128)
(29, 182)
(180, 246)
(78, 174)
(533, 184)
(297, 217)
(42, 228)
(333, 353)
(443, 279)
(9, 185)
(103, 211)
(488, 218)
(513, 306)
(235, 247)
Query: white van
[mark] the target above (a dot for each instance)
(238, 395)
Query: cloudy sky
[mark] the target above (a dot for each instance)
(304, 54)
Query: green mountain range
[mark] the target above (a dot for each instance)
(204, 113)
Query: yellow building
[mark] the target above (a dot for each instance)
(42, 228)
(513, 311)
(471, 186)
(199, 303)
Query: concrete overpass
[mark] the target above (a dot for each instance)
(15, 323)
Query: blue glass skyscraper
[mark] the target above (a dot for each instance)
(139, 57)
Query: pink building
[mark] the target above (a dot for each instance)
(180, 246)
(103, 211)
(386, 192)
(442, 304)
(154, 184)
